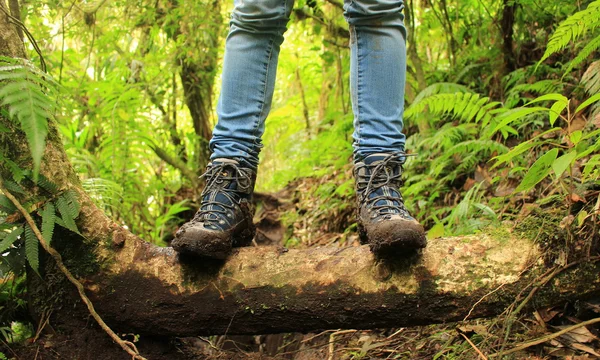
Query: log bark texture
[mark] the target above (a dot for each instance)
(266, 290)
(140, 288)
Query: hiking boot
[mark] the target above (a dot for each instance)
(224, 219)
(383, 221)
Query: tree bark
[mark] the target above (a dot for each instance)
(145, 289)
(507, 23)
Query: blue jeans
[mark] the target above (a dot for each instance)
(377, 76)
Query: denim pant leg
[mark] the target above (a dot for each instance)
(249, 70)
(377, 74)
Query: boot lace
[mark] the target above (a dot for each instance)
(382, 177)
(217, 179)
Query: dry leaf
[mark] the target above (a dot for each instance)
(548, 314)
(585, 348)
(477, 329)
(579, 335)
(577, 198)
(577, 124)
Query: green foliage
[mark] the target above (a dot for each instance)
(467, 107)
(48, 221)
(24, 90)
(65, 203)
(573, 28)
(32, 248)
(10, 238)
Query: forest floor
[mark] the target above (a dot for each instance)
(305, 221)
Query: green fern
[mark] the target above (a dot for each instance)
(468, 107)
(440, 88)
(32, 249)
(573, 28)
(10, 239)
(67, 212)
(587, 50)
(591, 78)
(44, 183)
(48, 221)
(22, 91)
(6, 206)
(13, 187)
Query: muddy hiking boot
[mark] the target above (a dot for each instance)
(383, 221)
(224, 219)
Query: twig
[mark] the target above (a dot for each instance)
(546, 338)
(128, 346)
(332, 341)
(483, 298)
(483, 357)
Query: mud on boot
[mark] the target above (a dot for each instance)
(383, 221)
(224, 220)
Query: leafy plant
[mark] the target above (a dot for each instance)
(25, 90)
(63, 209)
(573, 28)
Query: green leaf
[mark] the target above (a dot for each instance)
(538, 171)
(556, 110)
(13, 187)
(7, 242)
(6, 205)
(48, 221)
(67, 214)
(562, 163)
(437, 231)
(554, 97)
(32, 249)
(515, 114)
(588, 102)
(22, 91)
(72, 200)
(575, 137)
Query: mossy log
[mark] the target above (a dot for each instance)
(268, 290)
(142, 288)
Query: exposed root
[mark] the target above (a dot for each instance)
(128, 346)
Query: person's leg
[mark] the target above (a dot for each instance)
(377, 81)
(377, 74)
(224, 219)
(249, 69)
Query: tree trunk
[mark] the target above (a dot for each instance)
(507, 23)
(145, 289)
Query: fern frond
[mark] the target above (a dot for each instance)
(448, 135)
(22, 91)
(32, 249)
(44, 183)
(476, 150)
(440, 88)
(10, 239)
(48, 221)
(573, 28)
(72, 200)
(17, 173)
(591, 78)
(67, 214)
(587, 50)
(6, 206)
(468, 107)
(13, 187)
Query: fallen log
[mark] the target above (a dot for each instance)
(268, 290)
